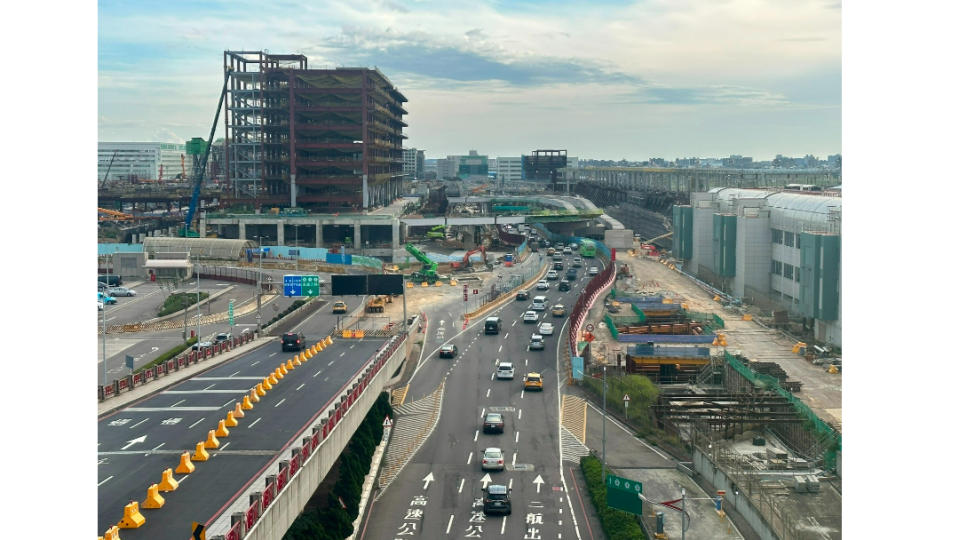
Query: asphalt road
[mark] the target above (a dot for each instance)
(437, 493)
(138, 442)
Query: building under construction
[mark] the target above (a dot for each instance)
(324, 139)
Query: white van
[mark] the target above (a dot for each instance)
(539, 303)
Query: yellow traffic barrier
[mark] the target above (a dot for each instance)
(230, 420)
(132, 518)
(201, 454)
(272, 379)
(747, 317)
(347, 333)
(409, 284)
(113, 533)
(247, 404)
(320, 346)
(716, 342)
(168, 483)
(296, 361)
(667, 300)
(221, 430)
(716, 298)
(259, 392)
(211, 440)
(267, 385)
(186, 466)
(438, 284)
(289, 365)
(359, 334)
(281, 371)
(424, 284)
(833, 369)
(238, 410)
(329, 340)
(452, 282)
(154, 499)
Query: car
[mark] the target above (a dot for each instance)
(542, 285)
(593, 270)
(522, 295)
(564, 285)
(539, 303)
(203, 345)
(448, 351)
(574, 246)
(293, 341)
(110, 280)
(559, 310)
(121, 291)
(533, 381)
(552, 275)
(571, 274)
(493, 422)
(546, 329)
(339, 307)
(530, 316)
(493, 460)
(536, 343)
(99, 305)
(559, 245)
(577, 262)
(504, 370)
(567, 250)
(550, 251)
(496, 500)
(222, 336)
(492, 325)
(106, 298)
(557, 266)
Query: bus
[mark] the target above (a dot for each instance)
(587, 248)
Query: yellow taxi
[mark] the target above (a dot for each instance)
(559, 310)
(533, 381)
(339, 307)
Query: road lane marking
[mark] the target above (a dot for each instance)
(231, 401)
(469, 459)
(278, 403)
(517, 438)
(178, 402)
(230, 378)
(476, 435)
(217, 391)
(341, 355)
(510, 486)
(514, 465)
(491, 375)
(254, 363)
(487, 392)
(211, 386)
(317, 373)
(500, 349)
(520, 414)
(331, 363)
(271, 355)
(514, 323)
(138, 423)
(326, 378)
(462, 481)
(483, 412)
(353, 345)
(234, 373)
(450, 524)
(168, 409)
(197, 422)
(105, 480)
(506, 336)
(301, 386)
(502, 530)
(253, 423)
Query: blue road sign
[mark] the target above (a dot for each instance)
(292, 285)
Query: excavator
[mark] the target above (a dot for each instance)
(437, 232)
(428, 272)
(466, 263)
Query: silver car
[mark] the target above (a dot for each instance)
(121, 291)
(536, 342)
(530, 317)
(546, 329)
(493, 460)
(504, 370)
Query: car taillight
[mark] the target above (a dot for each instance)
(297, 341)
(500, 461)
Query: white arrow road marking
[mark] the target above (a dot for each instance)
(538, 481)
(427, 479)
(130, 443)
(486, 480)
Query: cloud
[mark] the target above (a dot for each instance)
(708, 95)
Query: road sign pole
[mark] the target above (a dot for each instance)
(604, 423)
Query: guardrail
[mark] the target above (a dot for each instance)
(118, 386)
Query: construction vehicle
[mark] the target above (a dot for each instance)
(104, 214)
(428, 272)
(466, 263)
(375, 304)
(187, 230)
(438, 231)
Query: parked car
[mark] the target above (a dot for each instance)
(546, 329)
(536, 343)
(106, 298)
(99, 305)
(564, 285)
(493, 460)
(504, 370)
(111, 280)
(559, 310)
(121, 291)
(593, 270)
(493, 422)
(522, 295)
(533, 381)
(339, 307)
(293, 341)
(530, 317)
(542, 285)
(496, 500)
(448, 351)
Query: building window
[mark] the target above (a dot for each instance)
(789, 239)
(777, 236)
(788, 271)
(777, 268)
(797, 240)
(797, 274)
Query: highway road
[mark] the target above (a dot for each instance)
(136, 443)
(438, 492)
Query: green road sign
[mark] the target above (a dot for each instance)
(623, 494)
(231, 312)
(311, 285)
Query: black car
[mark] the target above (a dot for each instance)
(493, 423)
(496, 500)
(448, 351)
(557, 266)
(564, 285)
(293, 341)
(571, 273)
(522, 295)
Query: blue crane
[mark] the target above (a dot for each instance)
(187, 230)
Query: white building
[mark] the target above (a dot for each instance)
(141, 160)
(509, 169)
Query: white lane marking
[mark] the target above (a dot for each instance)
(278, 403)
(514, 465)
(231, 401)
(230, 378)
(216, 391)
(211, 386)
(487, 392)
(271, 355)
(234, 373)
(326, 378)
(526, 361)
(138, 423)
(491, 375)
(462, 481)
(253, 423)
(476, 435)
(514, 323)
(506, 336)
(469, 459)
(500, 349)
(520, 414)
(157, 447)
(510, 486)
(178, 402)
(341, 355)
(522, 393)
(517, 438)
(197, 422)
(502, 530)
(450, 524)
(483, 412)
(301, 386)
(317, 373)
(254, 363)
(107, 479)
(331, 363)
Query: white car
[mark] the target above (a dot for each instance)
(593, 270)
(536, 342)
(567, 251)
(546, 329)
(552, 275)
(504, 370)
(121, 291)
(542, 285)
(530, 316)
(493, 459)
(99, 305)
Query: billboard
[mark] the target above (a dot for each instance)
(384, 284)
(618, 238)
(341, 285)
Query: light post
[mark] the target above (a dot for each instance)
(103, 317)
(197, 303)
(259, 281)
(604, 423)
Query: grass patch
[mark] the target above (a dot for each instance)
(178, 301)
(168, 355)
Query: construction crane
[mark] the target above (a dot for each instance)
(660, 237)
(198, 181)
(428, 272)
(104, 214)
(110, 166)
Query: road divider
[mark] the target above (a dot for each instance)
(230, 420)
(132, 518)
(221, 431)
(167, 482)
(201, 454)
(238, 409)
(211, 441)
(186, 466)
(154, 499)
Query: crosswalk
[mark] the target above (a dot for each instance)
(573, 432)
(413, 423)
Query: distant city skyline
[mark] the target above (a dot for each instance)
(608, 81)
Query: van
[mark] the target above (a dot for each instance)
(492, 325)
(539, 303)
(112, 280)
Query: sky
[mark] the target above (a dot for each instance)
(603, 79)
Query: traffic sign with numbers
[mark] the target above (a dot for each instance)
(623, 494)
(295, 285)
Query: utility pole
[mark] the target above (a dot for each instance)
(604, 423)
(259, 281)
(103, 316)
(197, 303)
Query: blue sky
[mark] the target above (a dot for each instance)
(605, 80)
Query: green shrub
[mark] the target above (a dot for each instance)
(617, 525)
(178, 301)
(169, 355)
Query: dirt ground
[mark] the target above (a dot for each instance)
(821, 391)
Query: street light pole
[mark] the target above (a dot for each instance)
(604, 423)
(197, 304)
(259, 281)
(103, 316)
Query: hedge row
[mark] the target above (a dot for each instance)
(617, 525)
(293, 307)
(333, 520)
(177, 301)
(169, 355)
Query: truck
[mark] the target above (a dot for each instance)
(428, 272)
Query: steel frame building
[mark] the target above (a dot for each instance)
(325, 139)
